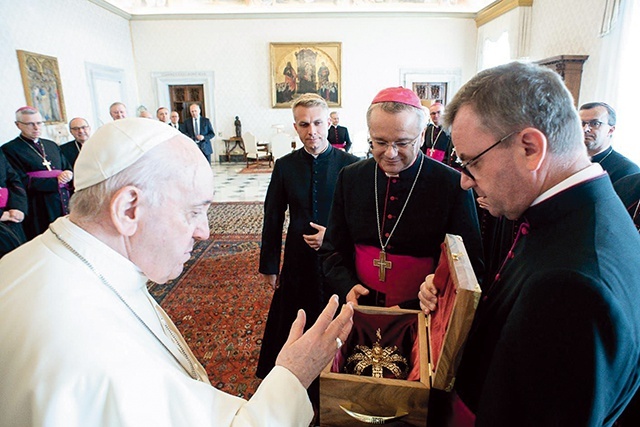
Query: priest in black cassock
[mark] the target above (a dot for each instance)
(599, 124)
(437, 142)
(45, 173)
(556, 336)
(390, 213)
(337, 135)
(303, 183)
(13, 207)
(81, 131)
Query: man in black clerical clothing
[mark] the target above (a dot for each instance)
(555, 339)
(13, 206)
(338, 136)
(200, 130)
(599, 123)
(45, 173)
(302, 182)
(628, 188)
(390, 213)
(81, 131)
(437, 142)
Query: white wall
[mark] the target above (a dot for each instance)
(75, 32)
(374, 50)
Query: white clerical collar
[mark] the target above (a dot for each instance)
(315, 156)
(593, 171)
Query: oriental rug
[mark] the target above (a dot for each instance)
(219, 302)
(258, 167)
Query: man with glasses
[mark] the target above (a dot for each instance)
(555, 336)
(81, 131)
(390, 213)
(599, 123)
(45, 173)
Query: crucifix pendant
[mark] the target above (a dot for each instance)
(46, 163)
(430, 152)
(383, 265)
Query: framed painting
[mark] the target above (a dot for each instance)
(42, 85)
(431, 91)
(299, 68)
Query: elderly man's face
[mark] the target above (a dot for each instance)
(30, 125)
(386, 130)
(80, 130)
(163, 243)
(194, 110)
(163, 115)
(312, 126)
(118, 112)
(174, 117)
(597, 137)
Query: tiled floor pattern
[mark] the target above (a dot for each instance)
(232, 186)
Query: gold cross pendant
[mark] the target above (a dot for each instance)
(46, 163)
(382, 265)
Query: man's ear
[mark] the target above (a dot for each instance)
(125, 210)
(534, 144)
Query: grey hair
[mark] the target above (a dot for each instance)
(29, 111)
(517, 95)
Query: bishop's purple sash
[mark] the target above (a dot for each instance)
(403, 279)
(435, 154)
(63, 189)
(339, 146)
(4, 197)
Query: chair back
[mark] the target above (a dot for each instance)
(280, 144)
(250, 143)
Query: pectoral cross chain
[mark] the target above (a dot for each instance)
(383, 265)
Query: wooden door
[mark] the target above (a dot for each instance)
(181, 96)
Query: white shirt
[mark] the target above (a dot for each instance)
(72, 354)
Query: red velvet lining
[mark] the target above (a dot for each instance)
(400, 330)
(439, 321)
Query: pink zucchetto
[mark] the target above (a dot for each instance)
(398, 94)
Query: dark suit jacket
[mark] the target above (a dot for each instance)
(70, 151)
(343, 137)
(206, 130)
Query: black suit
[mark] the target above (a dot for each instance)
(206, 130)
(70, 151)
(11, 233)
(339, 137)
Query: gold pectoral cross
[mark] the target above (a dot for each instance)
(382, 265)
(46, 163)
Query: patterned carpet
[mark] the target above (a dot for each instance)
(219, 302)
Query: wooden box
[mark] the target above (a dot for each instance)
(357, 400)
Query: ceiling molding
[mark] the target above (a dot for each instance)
(298, 15)
(499, 8)
(111, 8)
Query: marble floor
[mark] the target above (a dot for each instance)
(232, 186)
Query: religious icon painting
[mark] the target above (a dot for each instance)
(299, 68)
(42, 85)
(431, 91)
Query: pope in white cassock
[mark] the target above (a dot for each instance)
(82, 341)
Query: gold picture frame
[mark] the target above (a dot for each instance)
(299, 68)
(42, 85)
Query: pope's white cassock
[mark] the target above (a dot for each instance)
(73, 354)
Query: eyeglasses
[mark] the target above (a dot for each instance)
(80, 128)
(32, 124)
(464, 165)
(593, 124)
(398, 146)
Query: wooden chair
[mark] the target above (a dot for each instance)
(255, 151)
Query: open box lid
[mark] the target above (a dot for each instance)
(458, 297)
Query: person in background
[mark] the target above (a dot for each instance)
(13, 206)
(45, 173)
(118, 111)
(338, 136)
(199, 129)
(81, 131)
(162, 114)
(599, 123)
(175, 119)
(437, 142)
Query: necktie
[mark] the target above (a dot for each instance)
(196, 128)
